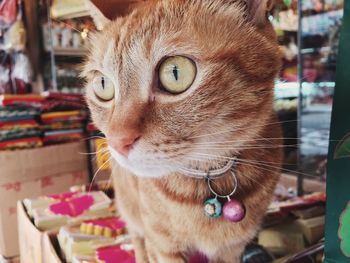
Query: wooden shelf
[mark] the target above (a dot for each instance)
(69, 52)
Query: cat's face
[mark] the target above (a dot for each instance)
(178, 83)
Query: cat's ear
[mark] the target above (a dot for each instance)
(99, 18)
(103, 11)
(258, 10)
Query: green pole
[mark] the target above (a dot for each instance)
(337, 247)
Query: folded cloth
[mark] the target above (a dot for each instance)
(23, 143)
(53, 137)
(49, 95)
(62, 125)
(63, 116)
(18, 125)
(61, 105)
(29, 100)
(6, 135)
(19, 112)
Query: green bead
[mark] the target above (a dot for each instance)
(213, 208)
(288, 3)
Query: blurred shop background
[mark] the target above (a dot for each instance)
(43, 113)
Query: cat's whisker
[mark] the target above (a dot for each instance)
(243, 175)
(200, 158)
(258, 163)
(248, 147)
(259, 139)
(245, 161)
(103, 150)
(94, 137)
(274, 170)
(242, 129)
(72, 27)
(98, 170)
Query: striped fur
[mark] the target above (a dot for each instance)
(230, 100)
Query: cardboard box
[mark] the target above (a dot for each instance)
(49, 245)
(36, 246)
(312, 228)
(282, 239)
(30, 173)
(30, 238)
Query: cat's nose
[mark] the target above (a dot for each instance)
(124, 142)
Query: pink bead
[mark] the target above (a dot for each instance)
(233, 211)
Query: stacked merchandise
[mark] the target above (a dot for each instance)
(294, 224)
(96, 240)
(15, 67)
(19, 128)
(53, 211)
(63, 118)
(28, 121)
(84, 224)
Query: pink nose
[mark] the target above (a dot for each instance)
(124, 142)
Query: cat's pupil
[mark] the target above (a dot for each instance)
(176, 72)
(103, 82)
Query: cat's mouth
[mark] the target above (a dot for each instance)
(143, 165)
(151, 166)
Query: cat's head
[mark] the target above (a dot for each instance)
(176, 83)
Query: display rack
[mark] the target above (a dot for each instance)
(318, 37)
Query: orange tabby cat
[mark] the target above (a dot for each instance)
(180, 87)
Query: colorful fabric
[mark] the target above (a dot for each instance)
(23, 143)
(52, 117)
(61, 105)
(63, 125)
(18, 125)
(63, 96)
(17, 134)
(54, 137)
(16, 113)
(28, 100)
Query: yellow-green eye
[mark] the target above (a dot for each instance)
(103, 88)
(176, 74)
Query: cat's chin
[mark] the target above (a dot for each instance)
(139, 169)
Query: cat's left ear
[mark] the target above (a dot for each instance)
(103, 11)
(99, 19)
(258, 10)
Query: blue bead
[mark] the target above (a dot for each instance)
(213, 208)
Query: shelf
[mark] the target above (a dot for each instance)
(65, 9)
(71, 52)
(320, 24)
(288, 90)
(74, 15)
(322, 108)
(314, 50)
(285, 90)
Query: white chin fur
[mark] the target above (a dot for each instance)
(138, 168)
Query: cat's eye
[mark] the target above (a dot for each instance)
(103, 88)
(176, 74)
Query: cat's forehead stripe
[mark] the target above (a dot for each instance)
(108, 61)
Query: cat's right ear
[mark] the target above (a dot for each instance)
(258, 10)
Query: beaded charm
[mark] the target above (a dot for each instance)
(233, 210)
(213, 208)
